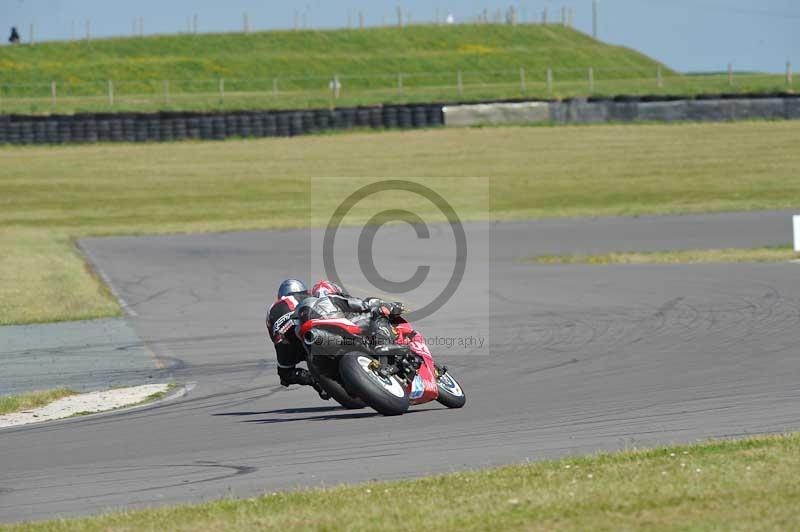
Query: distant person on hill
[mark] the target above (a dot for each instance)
(14, 39)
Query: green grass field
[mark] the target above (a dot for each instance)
(292, 69)
(687, 256)
(729, 485)
(50, 195)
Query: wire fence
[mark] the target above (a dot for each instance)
(370, 88)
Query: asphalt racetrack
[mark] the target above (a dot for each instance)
(580, 358)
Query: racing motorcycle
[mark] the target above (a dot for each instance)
(356, 373)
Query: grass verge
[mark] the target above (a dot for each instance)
(50, 195)
(748, 484)
(30, 400)
(688, 256)
(45, 280)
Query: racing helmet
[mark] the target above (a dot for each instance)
(291, 286)
(326, 288)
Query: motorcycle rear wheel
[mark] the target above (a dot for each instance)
(385, 395)
(333, 387)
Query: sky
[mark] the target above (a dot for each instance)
(688, 35)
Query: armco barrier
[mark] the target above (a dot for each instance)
(167, 126)
(626, 109)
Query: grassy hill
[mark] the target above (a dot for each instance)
(293, 68)
(480, 49)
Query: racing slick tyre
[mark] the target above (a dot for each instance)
(334, 388)
(450, 393)
(384, 394)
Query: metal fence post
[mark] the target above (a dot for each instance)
(730, 75)
(336, 86)
(591, 79)
(550, 80)
(522, 79)
(789, 73)
(460, 83)
(110, 92)
(274, 86)
(53, 93)
(221, 89)
(659, 79)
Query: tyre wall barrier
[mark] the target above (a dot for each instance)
(171, 126)
(626, 109)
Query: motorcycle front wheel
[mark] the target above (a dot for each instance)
(384, 394)
(450, 393)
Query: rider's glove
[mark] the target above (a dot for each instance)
(385, 308)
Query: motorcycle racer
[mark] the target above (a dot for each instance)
(288, 348)
(380, 313)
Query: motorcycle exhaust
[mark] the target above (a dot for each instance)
(319, 337)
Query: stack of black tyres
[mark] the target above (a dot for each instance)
(362, 117)
(104, 130)
(390, 117)
(141, 129)
(39, 132)
(26, 132)
(193, 127)
(435, 114)
(322, 119)
(269, 123)
(206, 127)
(64, 132)
(219, 131)
(244, 125)
(4, 121)
(419, 116)
(166, 126)
(12, 132)
(283, 124)
(179, 130)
